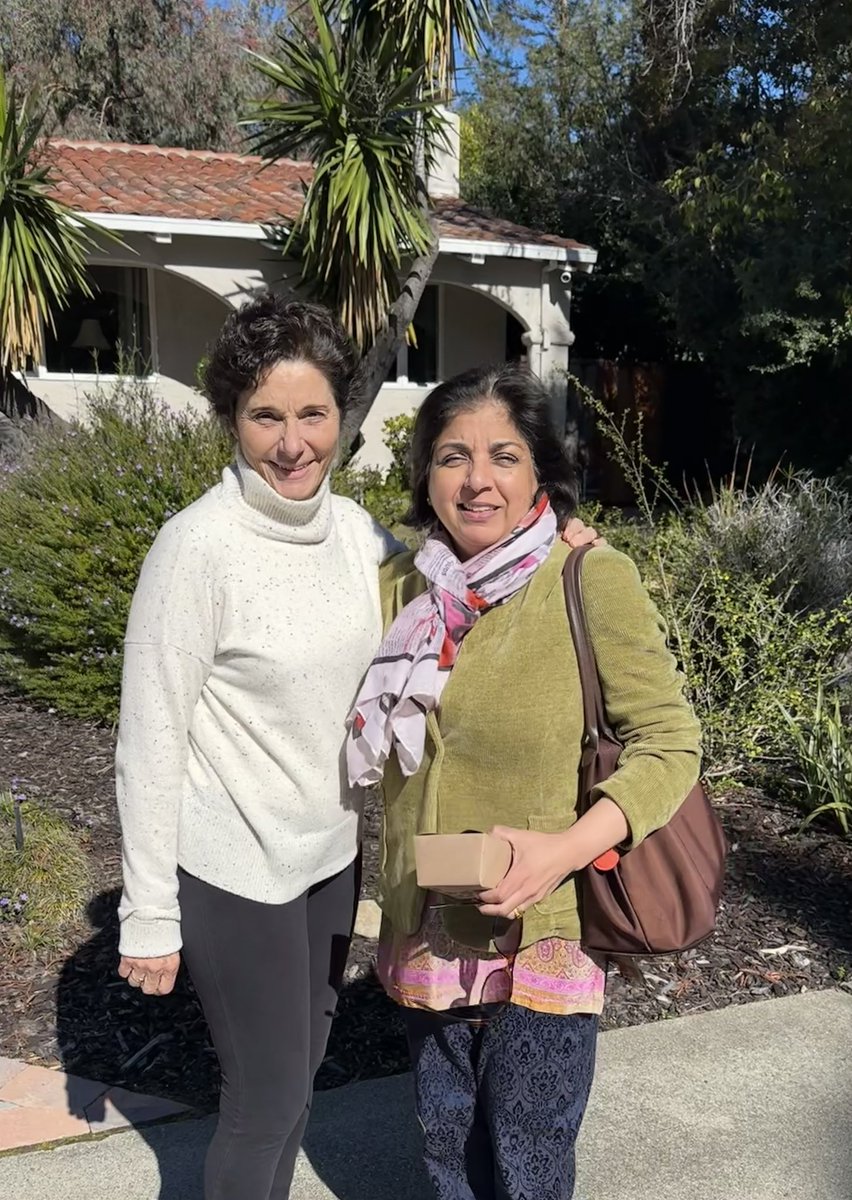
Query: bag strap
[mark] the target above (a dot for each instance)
(595, 722)
(571, 582)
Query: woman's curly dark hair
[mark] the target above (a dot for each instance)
(268, 330)
(527, 402)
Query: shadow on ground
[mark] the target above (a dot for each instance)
(365, 1143)
(106, 1031)
(112, 1033)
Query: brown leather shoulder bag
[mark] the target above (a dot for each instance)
(662, 896)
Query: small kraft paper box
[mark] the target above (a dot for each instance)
(460, 864)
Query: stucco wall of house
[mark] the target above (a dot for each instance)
(200, 278)
(229, 268)
(533, 290)
(474, 322)
(474, 330)
(68, 397)
(394, 400)
(188, 320)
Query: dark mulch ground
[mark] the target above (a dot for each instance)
(786, 926)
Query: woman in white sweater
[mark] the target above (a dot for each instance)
(255, 616)
(254, 620)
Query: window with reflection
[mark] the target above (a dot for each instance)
(107, 333)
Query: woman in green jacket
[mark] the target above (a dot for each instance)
(471, 715)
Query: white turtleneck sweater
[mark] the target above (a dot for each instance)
(253, 622)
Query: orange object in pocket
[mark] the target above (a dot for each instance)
(607, 861)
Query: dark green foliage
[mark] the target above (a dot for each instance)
(712, 176)
(385, 494)
(77, 516)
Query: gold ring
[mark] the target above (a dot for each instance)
(517, 914)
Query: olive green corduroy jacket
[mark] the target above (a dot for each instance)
(504, 747)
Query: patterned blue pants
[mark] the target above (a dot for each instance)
(501, 1104)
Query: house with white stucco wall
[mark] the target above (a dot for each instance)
(196, 229)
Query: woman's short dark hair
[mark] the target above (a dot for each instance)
(268, 330)
(528, 404)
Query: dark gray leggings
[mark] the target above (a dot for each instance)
(267, 976)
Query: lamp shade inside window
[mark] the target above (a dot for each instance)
(107, 333)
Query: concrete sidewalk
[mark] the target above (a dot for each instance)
(750, 1103)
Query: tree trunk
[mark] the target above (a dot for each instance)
(374, 366)
(19, 409)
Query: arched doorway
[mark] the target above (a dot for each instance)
(455, 328)
(187, 319)
(476, 329)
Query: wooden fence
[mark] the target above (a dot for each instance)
(685, 427)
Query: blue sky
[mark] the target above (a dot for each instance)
(465, 72)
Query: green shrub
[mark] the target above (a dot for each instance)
(78, 513)
(45, 884)
(370, 487)
(397, 434)
(755, 587)
(794, 532)
(823, 753)
(630, 534)
(743, 651)
(385, 494)
(742, 643)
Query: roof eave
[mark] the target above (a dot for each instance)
(583, 257)
(192, 227)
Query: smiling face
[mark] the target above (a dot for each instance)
(482, 479)
(288, 428)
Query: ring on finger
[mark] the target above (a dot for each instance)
(517, 913)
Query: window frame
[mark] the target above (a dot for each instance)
(40, 370)
(402, 381)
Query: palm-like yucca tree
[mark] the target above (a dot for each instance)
(359, 95)
(42, 250)
(428, 33)
(357, 117)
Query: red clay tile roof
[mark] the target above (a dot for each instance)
(458, 219)
(112, 177)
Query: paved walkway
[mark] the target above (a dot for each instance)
(750, 1103)
(38, 1105)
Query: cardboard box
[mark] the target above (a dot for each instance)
(460, 864)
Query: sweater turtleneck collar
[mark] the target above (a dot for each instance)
(290, 520)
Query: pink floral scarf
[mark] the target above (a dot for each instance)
(407, 676)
